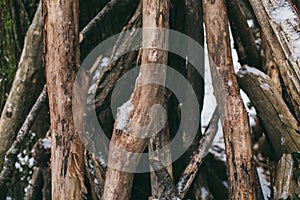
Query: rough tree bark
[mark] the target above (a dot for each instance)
(230, 106)
(27, 85)
(118, 183)
(62, 61)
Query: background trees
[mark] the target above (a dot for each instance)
(266, 39)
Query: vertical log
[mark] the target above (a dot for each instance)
(62, 60)
(118, 183)
(232, 111)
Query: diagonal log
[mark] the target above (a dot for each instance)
(281, 127)
(118, 183)
(191, 170)
(11, 155)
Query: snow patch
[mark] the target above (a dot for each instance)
(204, 193)
(251, 70)
(105, 61)
(123, 115)
(250, 23)
(46, 143)
(265, 184)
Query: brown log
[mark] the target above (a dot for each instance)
(282, 36)
(281, 127)
(230, 105)
(194, 29)
(27, 85)
(61, 40)
(118, 183)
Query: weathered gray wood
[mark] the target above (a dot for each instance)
(281, 127)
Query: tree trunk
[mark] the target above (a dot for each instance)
(62, 61)
(230, 106)
(118, 183)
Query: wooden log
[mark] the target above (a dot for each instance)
(61, 29)
(118, 183)
(281, 127)
(282, 33)
(230, 105)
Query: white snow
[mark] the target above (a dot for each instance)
(102, 161)
(123, 115)
(265, 86)
(250, 23)
(265, 183)
(46, 143)
(257, 72)
(282, 141)
(96, 75)
(204, 193)
(251, 70)
(283, 15)
(105, 61)
(92, 88)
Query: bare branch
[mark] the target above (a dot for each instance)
(11, 155)
(191, 170)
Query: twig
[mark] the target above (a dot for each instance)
(11, 155)
(190, 172)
